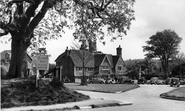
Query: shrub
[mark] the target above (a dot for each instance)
(24, 93)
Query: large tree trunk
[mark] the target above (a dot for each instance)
(18, 56)
(83, 80)
(165, 68)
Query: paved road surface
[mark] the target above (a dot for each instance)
(144, 98)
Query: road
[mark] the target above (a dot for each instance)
(144, 98)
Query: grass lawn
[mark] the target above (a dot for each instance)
(177, 94)
(107, 88)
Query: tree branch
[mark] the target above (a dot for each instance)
(96, 2)
(35, 21)
(102, 3)
(3, 25)
(5, 29)
(96, 9)
(30, 12)
(107, 4)
(19, 1)
(40, 15)
(5, 33)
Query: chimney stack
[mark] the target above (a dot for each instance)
(119, 51)
(92, 46)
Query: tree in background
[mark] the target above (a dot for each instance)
(32, 22)
(163, 45)
(147, 67)
(177, 64)
(132, 67)
(85, 57)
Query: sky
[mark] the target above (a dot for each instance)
(151, 16)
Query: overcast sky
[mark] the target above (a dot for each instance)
(151, 16)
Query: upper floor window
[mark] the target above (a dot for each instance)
(90, 69)
(105, 67)
(119, 68)
(79, 68)
(106, 71)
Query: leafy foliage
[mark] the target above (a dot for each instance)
(47, 19)
(179, 70)
(163, 45)
(31, 22)
(115, 16)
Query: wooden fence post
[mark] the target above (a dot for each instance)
(60, 68)
(37, 77)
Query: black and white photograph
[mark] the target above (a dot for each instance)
(92, 55)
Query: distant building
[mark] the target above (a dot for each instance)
(5, 61)
(5, 58)
(96, 64)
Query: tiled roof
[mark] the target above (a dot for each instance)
(58, 59)
(110, 57)
(9, 51)
(98, 59)
(78, 55)
(92, 60)
(77, 58)
(115, 59)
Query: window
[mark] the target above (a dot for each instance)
(79, 69)
(90, 69)
(119, 68)
(105, 67)
(106, 71)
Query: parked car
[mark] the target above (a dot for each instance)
(159, 82)
(120, 80)
(142, 81)
(168, 81)
(151, 82)
(182, 82)
(155, 80)
(110, 81)
(128, 81)
(96, 81)
(175, 82)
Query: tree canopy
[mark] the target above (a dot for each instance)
(31, 22)
(163, 45)
(45, 19)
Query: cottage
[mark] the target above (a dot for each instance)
(73, 62)
(95, 64)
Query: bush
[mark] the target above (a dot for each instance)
(24, 93)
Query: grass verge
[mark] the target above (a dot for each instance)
(106, 88)
(176, 94)
(24, 93)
